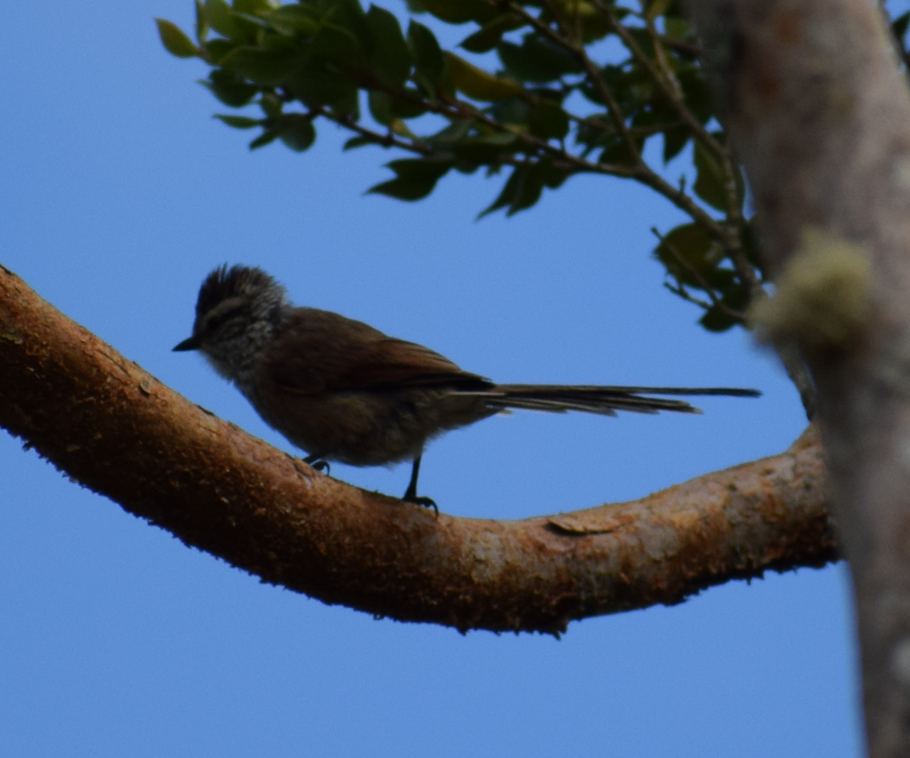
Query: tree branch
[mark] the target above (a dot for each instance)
(112, 427)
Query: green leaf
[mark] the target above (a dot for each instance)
(525, 186)
(202, 25)
(261, 24)
(692, 257)
(697, 93)
(400, 128)
(594, 132)
(358, 141)
(522, 189)
(218, 49)
(553, 176)
(461, 11)
(404, 189)
(229, 88)
(530, 189)
(477, 83)
(548, 121)
(633, 88)
(515, 111)
(297, 131)
(239, 122)
(415, 178)
(391, 57)
(674, 141)
(427, 55)
(319, 75)
(657, 8)
(709, 179)
(293, 19)
(420, 168)
(347, 15)
(264, 139)
(655, 113)
(490, 34)
(222, 19)
(265, 67)
(271, 105)
(718, 318)
(380, 105)
(485, 150)
(617, 152)
(466, 167)
(678, 29)
(337, 44)
(317, 84)
(643, 39)
(456, 131)
(251, 6)
(537, 60)
(508, 193)
(691, 243)
(410, 103)
(174, 40)
(348, 105)
(386, 108)
(715, 319)
(585, 17)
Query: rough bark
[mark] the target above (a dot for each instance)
(819, 114)
(111, 426)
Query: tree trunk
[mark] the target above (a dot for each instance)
(818, 112)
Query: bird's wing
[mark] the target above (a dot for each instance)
(319, 351)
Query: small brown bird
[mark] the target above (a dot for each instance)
(344, 391)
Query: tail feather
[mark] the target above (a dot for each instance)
(557, 398)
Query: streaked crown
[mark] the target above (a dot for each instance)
(244, 283)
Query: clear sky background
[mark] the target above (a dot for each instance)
(118, 193)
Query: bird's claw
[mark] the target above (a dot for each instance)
(318, 463)
(426, 502)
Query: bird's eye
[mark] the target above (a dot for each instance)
(217, 321)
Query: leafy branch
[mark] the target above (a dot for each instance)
(557, 105)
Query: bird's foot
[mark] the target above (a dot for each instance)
(318, 463)
(426, 502)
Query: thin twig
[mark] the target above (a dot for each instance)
(662, 62)
(561, 158)
(670, 92)
(456, 109)
(643, 172)
(729, 233)
(452, 108)
(386, 140)
(680, 291)
(613, 109)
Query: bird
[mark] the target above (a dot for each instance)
(344, 391)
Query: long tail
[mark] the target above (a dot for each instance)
(558, 398)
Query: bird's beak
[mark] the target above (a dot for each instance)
(188, 344)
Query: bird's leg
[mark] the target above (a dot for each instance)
(317, 462)
(410, 494)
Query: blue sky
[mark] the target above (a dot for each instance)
(118, 193)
